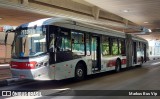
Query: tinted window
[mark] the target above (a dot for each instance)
(63, 41)
(105, 46)
(78, 43)
(114, 46)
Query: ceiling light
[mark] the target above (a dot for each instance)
(146, 22)
(149, 30)
(125, 10)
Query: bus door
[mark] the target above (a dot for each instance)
(145, 52)
(134, 53)
(96, 53)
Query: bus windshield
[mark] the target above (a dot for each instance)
(29, 43)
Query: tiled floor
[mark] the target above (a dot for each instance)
(4, 71)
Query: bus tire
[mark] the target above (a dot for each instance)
(79, 72)
(118, 66)
(142, 61)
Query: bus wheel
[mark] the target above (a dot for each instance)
(141, 62)
(118, 66)
(79, 72)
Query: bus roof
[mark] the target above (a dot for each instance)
(76, 24)
(137, 38)
(63, 21)
(40, 22)
(53, 20)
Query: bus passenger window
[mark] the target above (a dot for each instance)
(105, 46)
(63, 41)
(114, 47)
(122, 49)
(88, 45)
(78, 43)
(58, 43)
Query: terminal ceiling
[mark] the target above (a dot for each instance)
(141, 12)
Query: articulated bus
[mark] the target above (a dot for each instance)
(58, 48)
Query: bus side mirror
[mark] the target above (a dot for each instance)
(6, 35)
(5, 40)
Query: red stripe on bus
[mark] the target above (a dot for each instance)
(23, 65)
(124, 61)
(111, 63)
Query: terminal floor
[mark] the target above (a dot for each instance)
(5, 72)
(146, 77)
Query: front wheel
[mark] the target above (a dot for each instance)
(79, 72)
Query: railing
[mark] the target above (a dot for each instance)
(4, 60)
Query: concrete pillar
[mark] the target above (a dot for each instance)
(95, 12)
(126, 24)
(24, 2)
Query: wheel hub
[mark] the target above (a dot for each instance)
(80, 72)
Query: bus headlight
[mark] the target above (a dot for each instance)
(38, 65)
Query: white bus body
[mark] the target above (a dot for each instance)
(56, 49)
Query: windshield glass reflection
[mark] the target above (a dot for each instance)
(29, 43)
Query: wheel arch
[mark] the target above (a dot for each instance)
(118, 59)
(83, 65)
(142, 59)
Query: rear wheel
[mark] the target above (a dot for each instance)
(141, 62)
(118, 66)
(79, 72)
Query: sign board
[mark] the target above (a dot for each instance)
(7, 27)
(1, 29)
